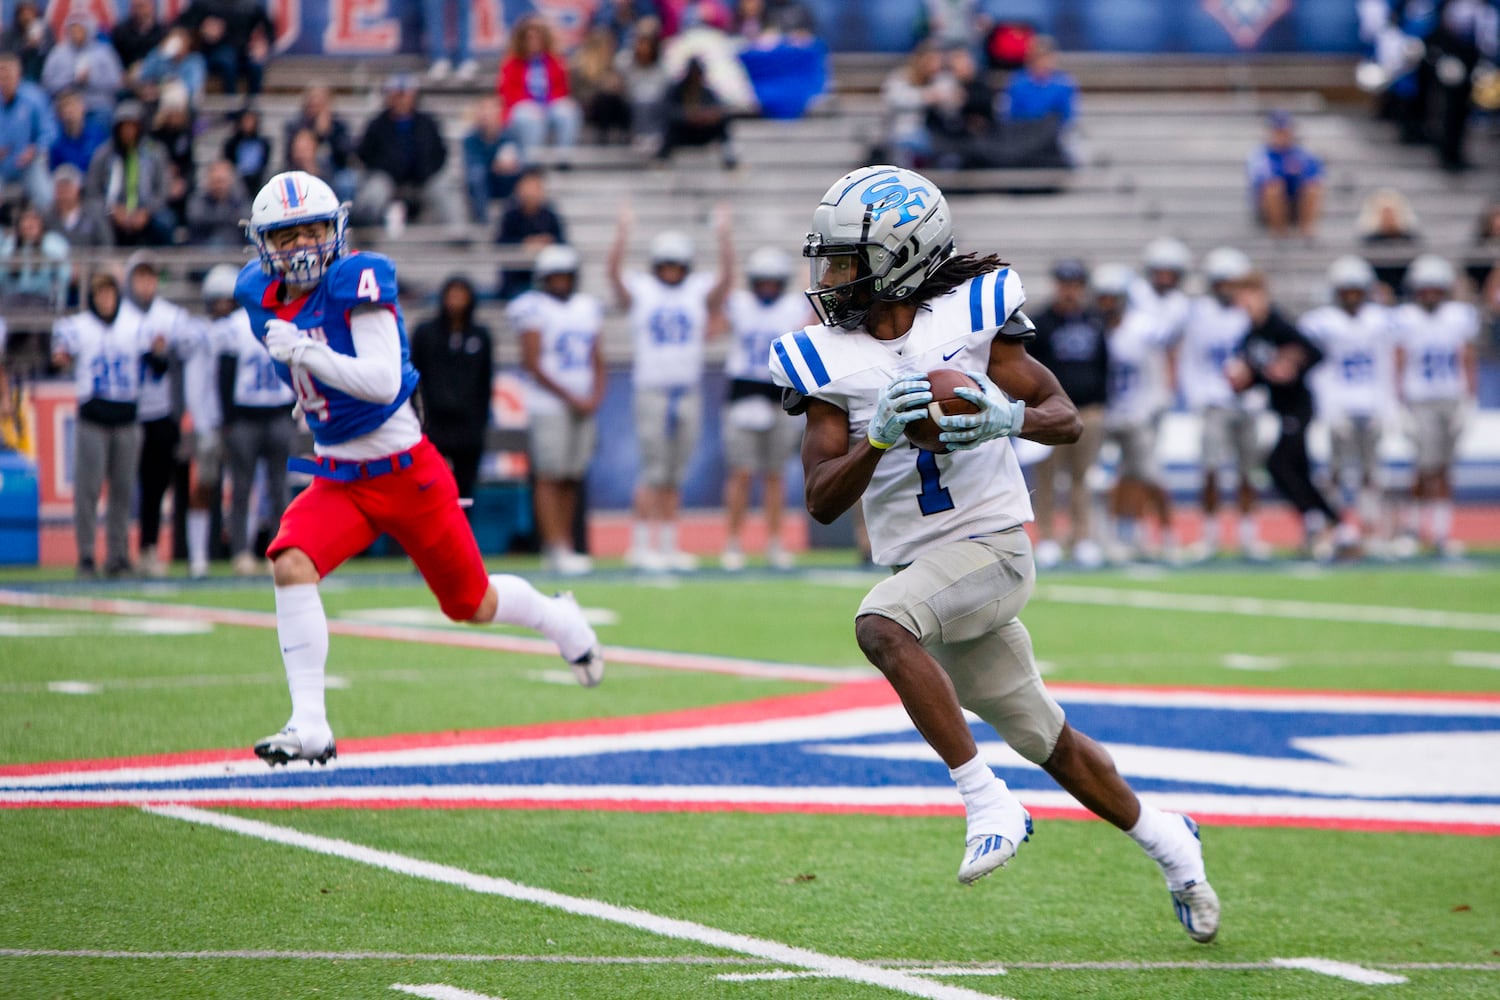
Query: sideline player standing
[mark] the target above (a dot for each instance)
(895, 302)
(331, 321)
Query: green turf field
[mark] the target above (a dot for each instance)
(459, 903)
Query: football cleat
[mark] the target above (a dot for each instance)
(588, 667)
(987, 852)
(1197, 908)
(287, 746)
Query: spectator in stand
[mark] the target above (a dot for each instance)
(533, 90)
(952, 23)
(600, 86)
(78, 135)
(530, 222)
(1277, 355)
(34, 269)
(128, 178)
(215, 210)
(1286, 181)
(1070, 341)
(86, 62)
(907, 95)
(435, 35)
(335, 144)
(1386, 217)
(27, 132)
(247, 149)
(108, 355)
(454, 355)
(646, 83)
(172, 128)
(492, 162)
(697, 117)
(173, 61)
(787, 63)
(1481, 266)
(1039, 90)
(560, 331)
(302, 153)
(403, 153)
(82, 225)
(29, 37)
(136, 34)
(624, 17)
(1466, 34)
(235, 38)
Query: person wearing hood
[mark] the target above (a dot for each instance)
(84, 60)
(109, 354)
(453, 354)
(127, 178)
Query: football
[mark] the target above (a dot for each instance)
(924, 433)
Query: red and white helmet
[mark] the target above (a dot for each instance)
(295, 198)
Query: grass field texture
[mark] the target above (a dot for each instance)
(620, 898)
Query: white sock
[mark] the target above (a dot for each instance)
(640, 536)
(988, 803)
(1167, 840)
(303, 630)
(521, 604)
(197, 537)
(668, 537)
(1369, 510)
(1442, 520)
(1249, 536)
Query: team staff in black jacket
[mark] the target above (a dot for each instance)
(453, 355)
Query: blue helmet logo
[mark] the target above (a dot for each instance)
(888, 195)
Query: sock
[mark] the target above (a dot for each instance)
(521, 604)
(303, 630)
(1167, 840)
(1442, 520)
(1128, 530)
(640, 536)
(1369, 510)
(1248, 534)
(1411, 517)
(668, 537)
(987, 800)
(197, 537)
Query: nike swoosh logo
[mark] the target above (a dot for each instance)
(293, 649)
(950, 357)
(430, 483)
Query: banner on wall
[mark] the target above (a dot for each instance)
(387, 27)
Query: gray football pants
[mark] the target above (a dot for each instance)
(104, 454)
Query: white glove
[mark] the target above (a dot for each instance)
(285, 342)
(998, 416)
(903, 401)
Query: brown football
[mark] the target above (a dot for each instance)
(924, 433)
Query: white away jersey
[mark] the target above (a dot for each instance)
(1209, 338)
(256, 383)
(569, 331)
(171, 321)
(1169, 308)
(108, 359)
(668, 324)
(1356, 376)
(1432, 345)
(917, 499)
(756, 326)
(1138, 381)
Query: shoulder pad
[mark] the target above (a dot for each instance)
(987, 302)
(362, 279)
(250, 285)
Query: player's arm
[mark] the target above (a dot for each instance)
(531, 363)
(835, 474)
(718, 295)
(372, 373)
(596, 358)
(1050, 417)
(614, 265)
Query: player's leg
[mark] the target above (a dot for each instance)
(91, 443)
(684, 424)
(952, 594)
(207, 466)
(1081, 458)
(320, 530)
(241, 454)
(650, 413)
(431, 527)
(1275, 208)
(785, 442)
(1213, 447)
(158, 461)
(1247, 465)
(124, 458)
(742, 450)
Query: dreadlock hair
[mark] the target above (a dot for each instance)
(954, 272)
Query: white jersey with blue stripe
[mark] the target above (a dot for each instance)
(360, 279)
(1210, 337)
(917, 499)
(256, 383)
(173, 324)
(1357, 375)
(1432, 344)
(108, 358)
(1139, 386)
(668, 324)
(756, 325)
(569, 329)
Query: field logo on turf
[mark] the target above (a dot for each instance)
(1350, 760)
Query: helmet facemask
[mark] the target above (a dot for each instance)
(299, 264)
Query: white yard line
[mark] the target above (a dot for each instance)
(375, 956)
(437, 991)
(1340, 970)
(1257, 607)
(682, 930)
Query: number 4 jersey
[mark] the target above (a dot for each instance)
(360, 279)
(917, 499)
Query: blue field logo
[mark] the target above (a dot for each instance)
(1355, 761)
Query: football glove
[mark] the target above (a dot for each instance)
(285, 342)
(998, 416)
(902, 402)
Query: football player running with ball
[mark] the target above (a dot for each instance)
(895, 301)
(330, 320)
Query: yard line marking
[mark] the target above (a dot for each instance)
(466, 638)
(682, 930)
(1248, 661)
(1340, 970)
(437, 991)
(1258, 607)
(1468, 658)
(378, 956)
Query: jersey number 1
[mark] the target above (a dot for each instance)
(935, 497)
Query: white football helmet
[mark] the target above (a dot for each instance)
(672, 247)
(219, 282)
(1226, 264)
(292, 199)
(1168, 254)
(1112, 279)
(1430, 271)
(559, 258)
(1350, 271)
(768, 264)
(896, 226)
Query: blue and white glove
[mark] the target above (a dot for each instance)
(285, 341)
(904, 401)
(998, 416)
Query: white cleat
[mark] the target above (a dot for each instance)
(732, 560)
(1196, 903)
(289, 745)
(1048, 554)
(588, 666)
(987, 852)
(779, 558)
(646, 561)
(680, 562)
